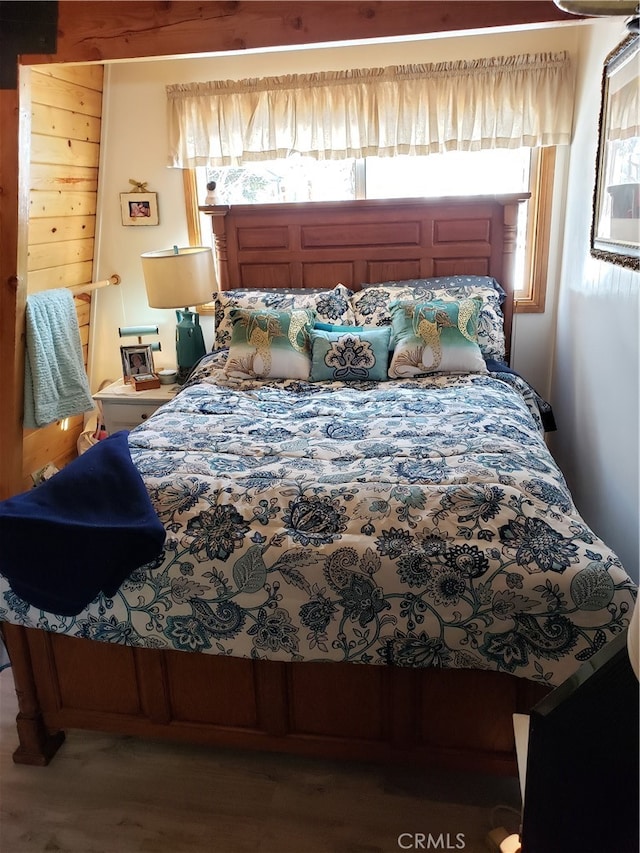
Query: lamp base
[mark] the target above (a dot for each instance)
(182, 375)
(189, 342)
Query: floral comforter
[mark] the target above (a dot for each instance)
(418, 523)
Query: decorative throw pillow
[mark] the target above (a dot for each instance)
(331, 305)
(443, 282)
(372, 306)
(331, 327)
(270, 344)
(348, 356)
(435, 337)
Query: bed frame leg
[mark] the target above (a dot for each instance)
(37, 746)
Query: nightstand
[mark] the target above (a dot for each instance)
(125, 408)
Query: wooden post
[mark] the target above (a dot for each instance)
(218, 213)
(510, 225)
(37, 746)
(13, 209)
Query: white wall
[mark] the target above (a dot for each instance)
(134, 146)
(595, 376)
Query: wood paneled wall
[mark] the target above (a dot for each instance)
(66, 108)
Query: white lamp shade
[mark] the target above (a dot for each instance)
(179, 279)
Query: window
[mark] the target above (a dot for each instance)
(301, 178)
(454, 173)
(496, 171)
(297, 178)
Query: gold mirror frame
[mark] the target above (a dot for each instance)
(615, 226)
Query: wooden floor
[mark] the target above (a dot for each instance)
(112, 794)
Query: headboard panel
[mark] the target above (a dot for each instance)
(318, 244)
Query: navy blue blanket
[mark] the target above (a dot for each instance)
(546, 412)
(81, 532)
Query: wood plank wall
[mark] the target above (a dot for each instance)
(66, 110)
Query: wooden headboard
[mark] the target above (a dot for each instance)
(319, 244)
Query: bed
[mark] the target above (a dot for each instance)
(355, 566)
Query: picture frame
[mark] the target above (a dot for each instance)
(615, 225)
(137, 360)
(139, 208)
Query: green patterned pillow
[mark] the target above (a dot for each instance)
(331, 305)
(348, 356)
(270, 344)
(435, 337)
(371, 307)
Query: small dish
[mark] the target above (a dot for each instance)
(167, 376)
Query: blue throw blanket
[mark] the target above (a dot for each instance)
(81, 532)
(55, 381)
(546, 412)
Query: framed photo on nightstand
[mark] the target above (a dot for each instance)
(136, 361)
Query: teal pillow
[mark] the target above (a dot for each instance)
(268, 344)
(349, 356)
(329, 327)
(435, 337)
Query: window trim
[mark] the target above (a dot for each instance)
(527, 300)
(531, 298)
(191, 206)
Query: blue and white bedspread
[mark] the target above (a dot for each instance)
(416, 523)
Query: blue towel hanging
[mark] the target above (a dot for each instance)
(55, 381)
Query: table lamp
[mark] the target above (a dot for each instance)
(181, 277)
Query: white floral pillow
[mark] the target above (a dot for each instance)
(330, 306)
(371, 308)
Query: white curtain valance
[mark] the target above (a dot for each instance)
(624, 120)
(502, 102)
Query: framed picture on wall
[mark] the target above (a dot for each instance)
(139, 208)
(615, 228)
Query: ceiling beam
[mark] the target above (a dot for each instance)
(99, 31)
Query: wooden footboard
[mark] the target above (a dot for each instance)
(459, 719)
